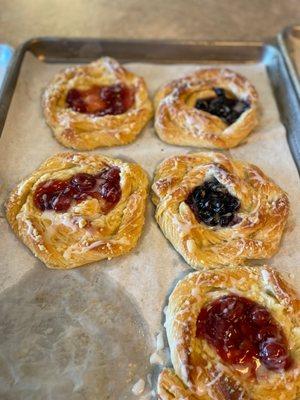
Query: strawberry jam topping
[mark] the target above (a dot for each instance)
(58, 195)
(244, 333)
(101, 100)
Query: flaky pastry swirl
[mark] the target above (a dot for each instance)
(260, 220)
(84, 233)
(177, 121)
(200, 374)
(85, 131)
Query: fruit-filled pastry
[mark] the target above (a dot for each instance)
(76, 209)
(213, 108)
(95, 105)
(234, 335)
(218, 211)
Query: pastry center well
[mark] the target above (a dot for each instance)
(212, 204)
(58, 195)
(244, 332)
(224, 107)
(101, 100)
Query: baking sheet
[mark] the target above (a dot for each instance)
(6, 53)
(88, 333)
(292, 36)
(289, 43)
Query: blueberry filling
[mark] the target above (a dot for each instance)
(213, 204)
(229, 110)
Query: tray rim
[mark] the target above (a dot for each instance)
(270, 46)
(112, 39)
(282, 39)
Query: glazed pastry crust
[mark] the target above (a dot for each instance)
(84, 131)
(170, 387)
(178, 122)
(199, 372)
(263, 212)
(83, 234)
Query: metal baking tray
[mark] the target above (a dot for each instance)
(6, 53)
(55, 50)
(289, 43)
(62, 50)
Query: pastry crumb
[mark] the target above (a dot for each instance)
(138, 387)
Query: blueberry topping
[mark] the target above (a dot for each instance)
(213, 204)
(219, 92)
(229, 110)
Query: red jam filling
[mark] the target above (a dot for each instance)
(58, 195)
(244, 333)
(101, 100)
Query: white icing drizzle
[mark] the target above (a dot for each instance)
(138, 387)
(214, 380)
(156, 359)
(160, 341)
(121, 241)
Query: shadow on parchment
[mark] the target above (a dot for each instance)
(70, 335)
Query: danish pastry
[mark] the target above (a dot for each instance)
(218, 211)
(76, 209)
(95, 105)
(233, 334)
(213, 108)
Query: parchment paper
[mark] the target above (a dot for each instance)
(69, 334)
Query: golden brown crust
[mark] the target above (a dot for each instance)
(178, 122)
(83, 234)
(83, 131)
(200, 371)
(170, 387)
(263, 211)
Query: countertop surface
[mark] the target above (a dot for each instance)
(176, 19)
